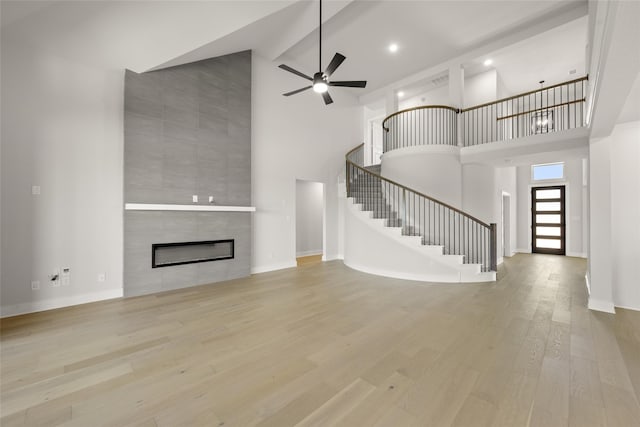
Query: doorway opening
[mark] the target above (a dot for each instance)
(548, 226)
(375, 139)
(310, 201)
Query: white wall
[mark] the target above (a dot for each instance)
(506, 181)
(309, 207)
(600, 257)
(437, 96)
(478, 89)
(625, 215)
(501, 89)
(481, 88)
(434, 170)
(479, 192)
(293, 138)
(62, 131)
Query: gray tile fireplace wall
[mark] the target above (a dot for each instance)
(187, 131)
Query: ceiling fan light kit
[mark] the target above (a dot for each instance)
(320, 80)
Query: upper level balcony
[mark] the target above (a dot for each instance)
(547, 119)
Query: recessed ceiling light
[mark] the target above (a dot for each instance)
(488, 62)
(400, 94)
(393, 47)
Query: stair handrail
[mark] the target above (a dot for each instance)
(404, 187)
(492, 228)
(420, 107)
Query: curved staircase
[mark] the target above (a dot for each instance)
(393, 230)
(397, 232)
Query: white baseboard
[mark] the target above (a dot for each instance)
(577, 254)
(309, 253)
(626, 307)
(500, 260)
(50, 304)
(573, 254)
(601, 305)
(273, 267)
(333, 258)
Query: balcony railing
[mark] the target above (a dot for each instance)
(426, 125)
(546, 110)
(551, 109)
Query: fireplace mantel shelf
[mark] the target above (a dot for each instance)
(198, 208)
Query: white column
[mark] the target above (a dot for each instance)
(391, 102)
(456, 93)
(599, 269)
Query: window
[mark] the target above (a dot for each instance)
(547, 171)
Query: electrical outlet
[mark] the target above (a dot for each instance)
(102, 277)
(194, 198)
(35, 190)
(54, 278)
(35, 285)
(65, 278)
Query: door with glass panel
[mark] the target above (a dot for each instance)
(547, 220)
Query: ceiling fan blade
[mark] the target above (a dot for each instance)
(354, 83)
(296, 72)
(335, 63)
(327, 98)
(293, 92)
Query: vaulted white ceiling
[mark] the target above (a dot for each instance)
(144, 35)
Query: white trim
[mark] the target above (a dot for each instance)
(198, 208)
(500, 260)
(587, 283)
(627, 307)
(50, 304)
(601, 305)
(428, 278)
(452, 150)
(522, 251)
(563, 178)
(576, 254)
(273, 267)
(333, 258)
(309, 253)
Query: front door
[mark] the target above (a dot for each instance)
(548, 220)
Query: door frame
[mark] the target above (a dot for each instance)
(369, 160)
(563, 187)
(505, 219)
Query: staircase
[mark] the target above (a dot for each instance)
(397, 232)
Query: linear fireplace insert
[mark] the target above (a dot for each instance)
(167, 254)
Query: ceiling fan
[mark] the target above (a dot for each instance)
(320, 79)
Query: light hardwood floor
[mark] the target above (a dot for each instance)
(311, 259)
(323, 345)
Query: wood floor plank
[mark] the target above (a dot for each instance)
(326, 345)
(332, 411)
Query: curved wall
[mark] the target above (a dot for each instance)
(434, 170)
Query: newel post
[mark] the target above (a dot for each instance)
(494, 246)
(348, 178)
